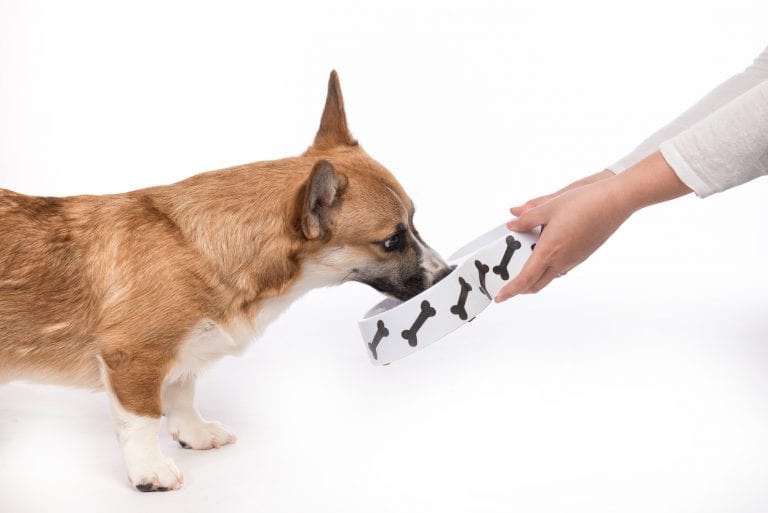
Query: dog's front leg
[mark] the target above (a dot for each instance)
(134, 387)
(185, 424)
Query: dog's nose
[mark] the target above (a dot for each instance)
(442, 273)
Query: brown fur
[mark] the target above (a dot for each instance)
(125, 277)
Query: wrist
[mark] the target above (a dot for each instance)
(648, 182)
(620, 197)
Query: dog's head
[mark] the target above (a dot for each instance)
(356, 215)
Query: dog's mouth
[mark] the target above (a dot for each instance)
(411, 287)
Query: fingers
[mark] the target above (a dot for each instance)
(527, 221)
(550, 274)
(533, 271)
(522, 209)
(535, 202)
(530, 204)
(536, 266)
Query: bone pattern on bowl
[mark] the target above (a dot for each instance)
(394, 329)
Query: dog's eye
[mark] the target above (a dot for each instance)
(394, 243)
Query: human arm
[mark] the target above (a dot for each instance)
(724, 93)
(721, 95)
(727, 147)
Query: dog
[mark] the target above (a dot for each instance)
(137, 293)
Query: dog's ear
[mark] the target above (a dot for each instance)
(321, 201)
(333, 129)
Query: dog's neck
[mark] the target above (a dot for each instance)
(240, 220)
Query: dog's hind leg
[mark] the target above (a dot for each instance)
(185, 424)
(134, 384)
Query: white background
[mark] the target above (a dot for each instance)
(637, 383)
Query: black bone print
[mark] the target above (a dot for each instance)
(381, 332)
(512, 246)
(460, 308)
(482, 270)
(426, 312)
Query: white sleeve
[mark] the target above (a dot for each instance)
(727, 148)
(719, 96)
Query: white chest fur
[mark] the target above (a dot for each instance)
(208, 341)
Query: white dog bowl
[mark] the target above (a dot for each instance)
(393, 329)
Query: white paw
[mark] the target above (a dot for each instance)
(155, 474)
(198, 434)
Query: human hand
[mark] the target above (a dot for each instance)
(577, 222)
(580, 217)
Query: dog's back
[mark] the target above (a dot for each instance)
(43, 287)
(62, 271)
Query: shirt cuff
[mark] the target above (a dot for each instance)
(616, 168)
(684, 171)
(630, 160)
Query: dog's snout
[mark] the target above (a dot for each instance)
(434, 266)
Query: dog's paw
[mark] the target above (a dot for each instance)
(202, 435)
(158, 475)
